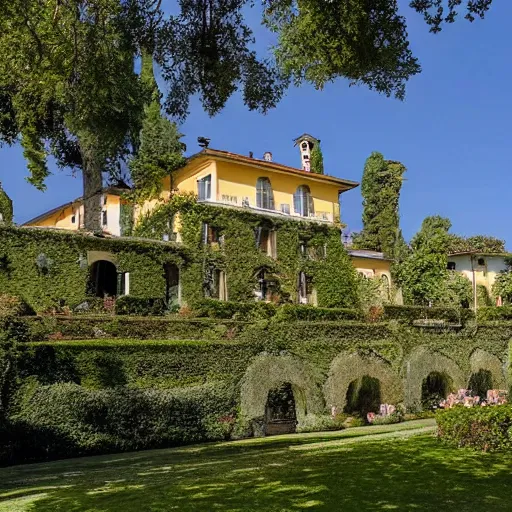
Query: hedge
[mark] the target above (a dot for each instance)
(238, 310)
(408, 314)
(264, 310)
(67, 420)
(482, 428)
(103, 326)
(128, 305)
(291, 312)
(493, 313)
(109, 363)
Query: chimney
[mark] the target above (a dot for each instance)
(267, 156)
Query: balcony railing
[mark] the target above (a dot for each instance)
(284, 210)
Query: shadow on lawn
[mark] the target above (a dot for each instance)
(413, 474)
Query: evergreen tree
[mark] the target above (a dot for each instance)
(160, 151)
(317, 159)
(6, 210)
(380, 187)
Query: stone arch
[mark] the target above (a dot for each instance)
(268, 372)
(483, 360)
(350, 366)
(419, 365)
(94, 256)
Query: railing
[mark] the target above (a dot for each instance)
(283, 210)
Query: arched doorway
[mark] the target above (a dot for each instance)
(172, 284)
(480, 382)
(103, 279)
(280, 413)
(363, 396)
(435, 388)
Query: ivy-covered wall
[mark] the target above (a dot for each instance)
(205, 389)
(322, 257)
(48, 268)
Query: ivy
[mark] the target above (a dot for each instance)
(45, 268)
(323, 258)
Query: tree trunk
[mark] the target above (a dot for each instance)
(92, 187)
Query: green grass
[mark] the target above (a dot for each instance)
(391, 467)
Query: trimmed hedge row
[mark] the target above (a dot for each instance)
(493, 313)
(103, 326)
(67, 420)
(481, 428)
(128, 305)
(408, 314)
(264, 311)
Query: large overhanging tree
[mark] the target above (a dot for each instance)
(68, 86)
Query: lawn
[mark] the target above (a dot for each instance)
(394, 467)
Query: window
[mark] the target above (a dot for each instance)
(211, 234)
(215, 284)
(123, 283)
(204, 188)
(104, 218)
(303, 201)
(304, 145)
(73, 218)
(481, 262)
(266, 241)
(307, 293)
(451, 265)
(285, 208)
(264, 194)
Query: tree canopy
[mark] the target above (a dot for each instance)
(68, 86)
(424, 275)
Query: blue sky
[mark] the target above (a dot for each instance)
(452, 131)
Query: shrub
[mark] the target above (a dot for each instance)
(88, 327)
(292, 312)
(315, 423)
(482, 428)
(235, 310)
(493, 313)
(11, 305)
(127, 305)
(396, 417)
(408, 314)
(66, 420)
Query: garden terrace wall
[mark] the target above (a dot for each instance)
(63, 279)
(82, 379)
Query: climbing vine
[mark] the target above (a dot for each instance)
(232, 241)
(6, 210)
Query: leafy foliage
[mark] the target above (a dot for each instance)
(160, 151)
(6, 210)
(503, 286)
(436, 13)
(481, 428)
(317, 159)
(480, 243)
(79, 104)
(424, 273)
(365, 42)
(381, 184)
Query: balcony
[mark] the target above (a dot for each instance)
(284, 210)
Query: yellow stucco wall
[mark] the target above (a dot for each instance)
(62, 219)
(377, 267)
(236, 181)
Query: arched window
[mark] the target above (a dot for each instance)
(303, 201)
(264, 194)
